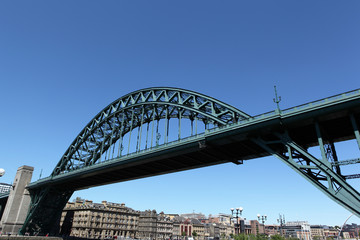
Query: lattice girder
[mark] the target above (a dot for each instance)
(136, 110)
(317, 171)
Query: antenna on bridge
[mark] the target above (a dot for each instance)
(277, 100)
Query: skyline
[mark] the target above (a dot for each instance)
(62, 63)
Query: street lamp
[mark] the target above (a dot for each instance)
(281, 221)
(262, 218)
(2, 172)
(237, 213)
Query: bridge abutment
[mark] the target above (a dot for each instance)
(18, 202)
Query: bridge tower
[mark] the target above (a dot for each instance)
(18, 202)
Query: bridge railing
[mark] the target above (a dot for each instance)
(130, 155)
(324, 101)
(5, 194)
(299, 108)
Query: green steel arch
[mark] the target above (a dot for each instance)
(228, 135)
(105, 132)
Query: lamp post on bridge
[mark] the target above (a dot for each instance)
(262, 218)
(237, 214)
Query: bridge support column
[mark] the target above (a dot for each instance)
(45, 210)
(18, 202)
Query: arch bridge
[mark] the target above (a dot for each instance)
(162, 130)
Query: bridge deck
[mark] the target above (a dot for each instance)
(220, 145)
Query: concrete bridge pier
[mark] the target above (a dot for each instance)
(18, 202)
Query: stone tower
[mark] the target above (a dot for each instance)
(18, 202)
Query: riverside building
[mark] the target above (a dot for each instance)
(83, 218)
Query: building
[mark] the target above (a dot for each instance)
(212, 230)
(176, 226)
(164, 227)
(189, 227)
(4, 187)
(147, 225)
(186, 228)
(83, 218)
(346, 235)
(256, 227)
(229, 230)
(317, 232)
(350, 230)
(297, 229)
(193, 215)
(171, 216)
(271, 230)
(198, 228)
(331, 232)
(225, 218)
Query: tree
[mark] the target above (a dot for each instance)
(242, 236)
(277, 237)
(223, 236)
(261, 237)
(293, 238)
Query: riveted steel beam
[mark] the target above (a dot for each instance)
(136, 109)
(356, 129)
(45, 211)
(317, 171)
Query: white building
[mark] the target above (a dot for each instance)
(4, 187)
(298, 229)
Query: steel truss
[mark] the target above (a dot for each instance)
(140, 110)
(105, 133)
(140, 113)
(320, 172)
(45, 211)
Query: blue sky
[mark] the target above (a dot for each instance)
(61, 62)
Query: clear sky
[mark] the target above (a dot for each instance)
(61, 62)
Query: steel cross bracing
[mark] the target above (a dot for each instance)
(320, 172)
(104, 134)
(141, 125)
(45, 211)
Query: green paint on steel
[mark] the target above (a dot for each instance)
(161, 103)
(129, 113)
(316, 171)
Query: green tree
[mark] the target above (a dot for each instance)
(251, 237)
(293, 238)
(261, 237)
(277, 237)
(241, 236)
